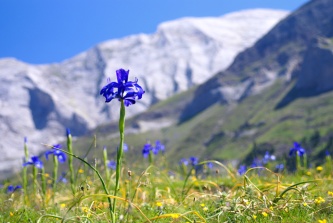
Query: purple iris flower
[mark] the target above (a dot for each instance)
(12, 189)
(242, 170)
(125, 147)
(125, 90)
(327, 153)
(183, 161)
(268, 157)
(112, 165)
(56, 152)
(297, 149)
(146, 150)
(159, 146)
(256, 163)
(62, 178)
(68, 132)
(35, 161)
(279, 167)
(194, 160)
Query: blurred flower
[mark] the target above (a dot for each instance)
(159, 204)
(327, 153)
(322, 221)
(62, 178)
(125, 147)
(112, 165)
(56, 152)
(242, 170)
(183, 161)
(125, 90)
(194, 160)
(330, 193)
(268, 157)
(80, 171)
(279, 167)
(35, 161)
(297, 149)
(68, 131)
(159, 146)
(264, 214)
(210, 165)
(146, 150)
(319, 200)
(174, 215)
(319, 168)
(12, 189)
(256, 163)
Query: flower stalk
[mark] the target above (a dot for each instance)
(25, 178)
(120, 149)
(70, 161)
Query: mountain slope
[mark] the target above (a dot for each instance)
(39, 102)
(274, 93)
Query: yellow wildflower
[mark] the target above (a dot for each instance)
(11, 214)
(319, 200)
(159, 204)
(46, 175)
(264, 214)
(322, 221)
(308, 173)
(319, 168)
(305, 204)
(174, 215)
(202, 205)
(271, 208)
(330, 193)
(62, 205)
(49, 181)
(205, 209)
(254, 217)
(81, 171)
(85, 209)
(286, 210)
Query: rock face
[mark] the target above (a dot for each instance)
(298, 48)
(41, 101)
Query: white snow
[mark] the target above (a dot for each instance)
(182, 53)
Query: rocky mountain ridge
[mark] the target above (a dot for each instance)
(40, 101)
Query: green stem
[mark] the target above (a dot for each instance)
(70, 161)
(25, 178)
(107, 172)
(34, 175)
(55, 175)
(119, 151)
(43, 186)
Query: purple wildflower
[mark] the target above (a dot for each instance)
(183, 161)
(112, 165)
(35, 161)
(242, 170)
(56, 152)
(297, 149)
(125, 90)
(12, 189)
(194, 160)
(146, 150)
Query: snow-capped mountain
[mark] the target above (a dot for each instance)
(40, 101)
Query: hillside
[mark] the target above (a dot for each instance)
(274, 93)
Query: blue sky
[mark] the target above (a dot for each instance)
(47, 31)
